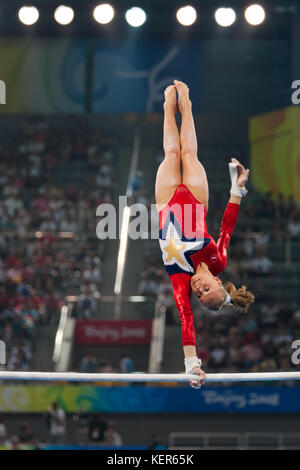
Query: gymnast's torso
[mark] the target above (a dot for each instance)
(184, 238)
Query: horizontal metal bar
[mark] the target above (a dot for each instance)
(142, 377)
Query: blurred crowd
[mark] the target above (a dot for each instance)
(51, 181)
(94, 429)
(260, 341)
(87, 429)
(25, 439)
(91, 364)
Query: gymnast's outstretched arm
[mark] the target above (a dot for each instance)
(181, 283)
(239, 177)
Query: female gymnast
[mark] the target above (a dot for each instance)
(191, 256)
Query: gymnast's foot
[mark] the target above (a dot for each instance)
(184, 101)
(171, 98)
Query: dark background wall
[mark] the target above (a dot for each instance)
(245, 76)
(137, 429)
(47, 75)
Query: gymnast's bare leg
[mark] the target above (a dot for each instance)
(193, 172)
(168, 176)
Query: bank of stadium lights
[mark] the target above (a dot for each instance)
(104, 13)
(28, 15)
(225, 16)
(255, 14)
(186, 15)
(64, 15)
(135, 17)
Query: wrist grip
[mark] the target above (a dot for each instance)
(190, 363)
(235, 189)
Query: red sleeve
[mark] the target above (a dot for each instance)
(181, 283)
(228, 223)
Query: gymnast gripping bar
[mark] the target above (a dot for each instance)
(142, 377)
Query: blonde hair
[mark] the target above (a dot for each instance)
(240, 298)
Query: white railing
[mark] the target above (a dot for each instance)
(229, 440)
(204, 440)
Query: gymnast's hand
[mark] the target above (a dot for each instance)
(243, 175)
(197, 383)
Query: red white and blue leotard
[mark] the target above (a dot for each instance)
(185, 243)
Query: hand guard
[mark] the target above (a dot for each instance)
(235, 189)
(190, 363)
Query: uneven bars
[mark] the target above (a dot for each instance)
(141, 377)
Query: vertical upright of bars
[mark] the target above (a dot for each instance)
(2, 353)
(123, 245)
(65, 314)
(2, 92)
(157, 339)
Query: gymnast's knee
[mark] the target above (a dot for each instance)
(189, 155)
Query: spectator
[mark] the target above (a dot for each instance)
(52, 305)
(285, 313)
(261, 264)
(97, 429)
(87, 303)
(261, 241)
(56, 424)
(217, 357)
(81, 419)
(111, 437)
(126, 364)
(89, 364)
(250, 324)
(154, 442)
(248, 243)
(105, 367)
(282, 336)
(296, 317)
(147, 287)
(252, 354)
(3, 431)
(269, 313)
(294, 225)
(13, 443)
(26, 435)
(68, 224)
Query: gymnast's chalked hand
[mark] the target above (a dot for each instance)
(197, 383)
(243, 174)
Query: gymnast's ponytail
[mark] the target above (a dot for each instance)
(239, 298)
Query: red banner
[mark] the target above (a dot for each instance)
(113, 332)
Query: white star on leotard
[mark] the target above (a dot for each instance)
(174, 249)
